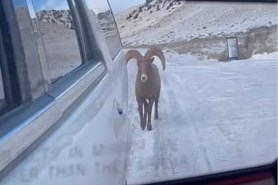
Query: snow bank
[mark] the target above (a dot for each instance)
(264, 56)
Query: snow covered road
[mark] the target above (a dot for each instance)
(213, 117)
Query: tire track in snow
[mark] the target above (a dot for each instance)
(197, 111)
(163, 138)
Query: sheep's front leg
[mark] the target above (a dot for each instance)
(140, 110)
(145, 110)
(150, 106)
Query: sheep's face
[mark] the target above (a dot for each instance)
(144, 67)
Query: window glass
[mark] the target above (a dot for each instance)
(59, 37)
(107, 24)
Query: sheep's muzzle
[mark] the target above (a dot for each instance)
(144, 78)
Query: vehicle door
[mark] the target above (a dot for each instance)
(76, 132)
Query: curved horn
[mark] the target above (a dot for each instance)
(132, 54)
(156, 52)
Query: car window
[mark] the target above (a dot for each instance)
(59, 37)
(211, 110)
(108, 25)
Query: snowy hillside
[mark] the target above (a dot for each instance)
(142, 17)
(61, 17)
(191, 20)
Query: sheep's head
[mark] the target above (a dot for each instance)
(144, 62)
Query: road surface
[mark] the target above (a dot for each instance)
(214, 117)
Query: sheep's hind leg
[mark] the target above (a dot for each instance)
(150, 105)
(156, 106)
(140, 109)
(156, 109)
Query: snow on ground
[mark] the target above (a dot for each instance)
(214, 117)
(197, 20)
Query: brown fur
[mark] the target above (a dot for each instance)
(147, 92)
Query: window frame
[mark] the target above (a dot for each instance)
(44, 113)
(118, 33)
(10, 82)
(3, 102)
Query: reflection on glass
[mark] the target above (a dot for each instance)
(59, 37)
(107, 24)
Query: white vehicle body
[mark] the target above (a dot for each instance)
(74, 130)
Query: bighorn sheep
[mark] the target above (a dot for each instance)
(148, 83)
